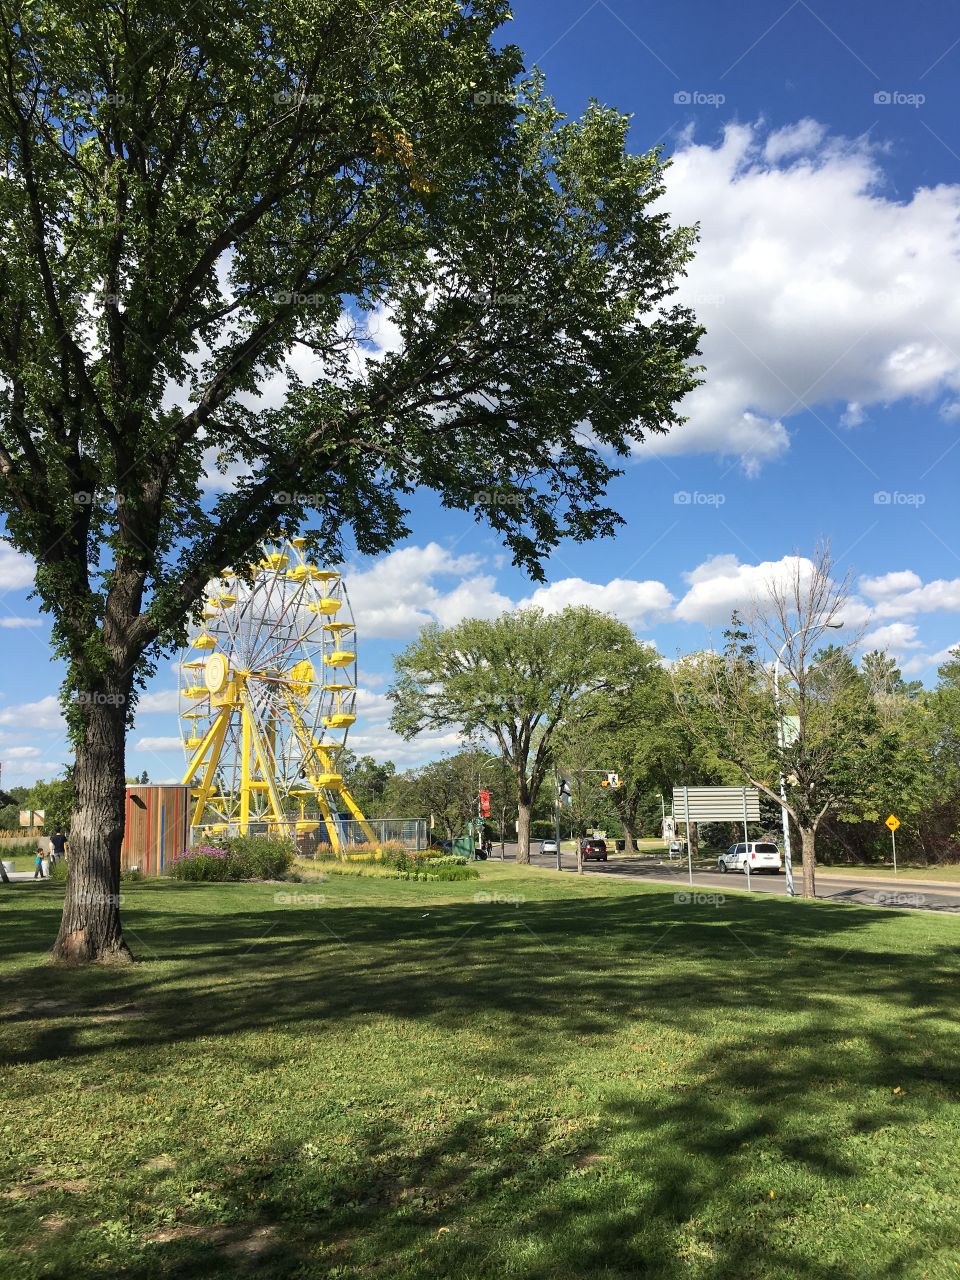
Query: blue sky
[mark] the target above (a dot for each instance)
(817, 146)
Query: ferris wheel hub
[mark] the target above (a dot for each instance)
(216, 672)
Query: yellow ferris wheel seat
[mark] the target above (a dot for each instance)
(326, 607)
(339, 658)
(301, 677)
(338, 628)
(323, 575)
(204, 641)
(275, 560)
(299, 572)
(331, 781)
(339, 720)
(193, 742)
(195, 691)
(339, 688)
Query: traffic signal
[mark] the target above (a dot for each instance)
(484, 804)
(611, 780)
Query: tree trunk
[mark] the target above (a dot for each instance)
(90, 928)
(629, 837)
(808, 846)
(523, 831)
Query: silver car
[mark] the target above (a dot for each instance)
(548, 846)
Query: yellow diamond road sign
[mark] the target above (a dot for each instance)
(893, 822)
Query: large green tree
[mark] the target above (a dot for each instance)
(515, 679)
(447, 790)
(202, 205)
(639, 733)
(368, 781)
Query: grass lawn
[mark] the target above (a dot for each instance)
(563, 1079)
(905, 871)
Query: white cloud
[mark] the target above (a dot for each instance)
(158, 744)
(402, 591)
(816, 285)
(939, 596)
(16, 570)
(14, 624)
(25, 772)
(382, 744)
(897, 637)
(721, 584)
(890, 584)
(631, 601)
(942, 655)
(21, 753)
(44, 714)
(397, 595)
(165, 700)
(853, 416)
(793, 140)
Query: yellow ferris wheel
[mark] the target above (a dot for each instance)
(269, 697)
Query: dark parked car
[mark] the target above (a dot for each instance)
(594, 849)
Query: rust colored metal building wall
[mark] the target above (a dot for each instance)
(157, 827)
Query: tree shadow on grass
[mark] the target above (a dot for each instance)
(661, 1182)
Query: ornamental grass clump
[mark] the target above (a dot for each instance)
(392, 861)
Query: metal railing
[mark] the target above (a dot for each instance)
(412, 833)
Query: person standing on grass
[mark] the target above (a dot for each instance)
(38, 871)
(58, 846)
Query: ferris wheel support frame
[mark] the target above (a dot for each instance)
(312, 747)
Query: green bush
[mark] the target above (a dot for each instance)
(433, 872)
(58, 871)
(263, 857)
(235, 858)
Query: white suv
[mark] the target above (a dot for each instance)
(759, 855)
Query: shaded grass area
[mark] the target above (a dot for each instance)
(564, 1078)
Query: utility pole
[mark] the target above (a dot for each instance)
(556, 810)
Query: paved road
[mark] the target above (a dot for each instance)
(915, 895)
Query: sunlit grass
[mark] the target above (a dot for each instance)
(526, 1076)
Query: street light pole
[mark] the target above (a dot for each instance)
(781, 743)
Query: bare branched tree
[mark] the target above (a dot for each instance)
(779, 705)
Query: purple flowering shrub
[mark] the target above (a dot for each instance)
(235, 858)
